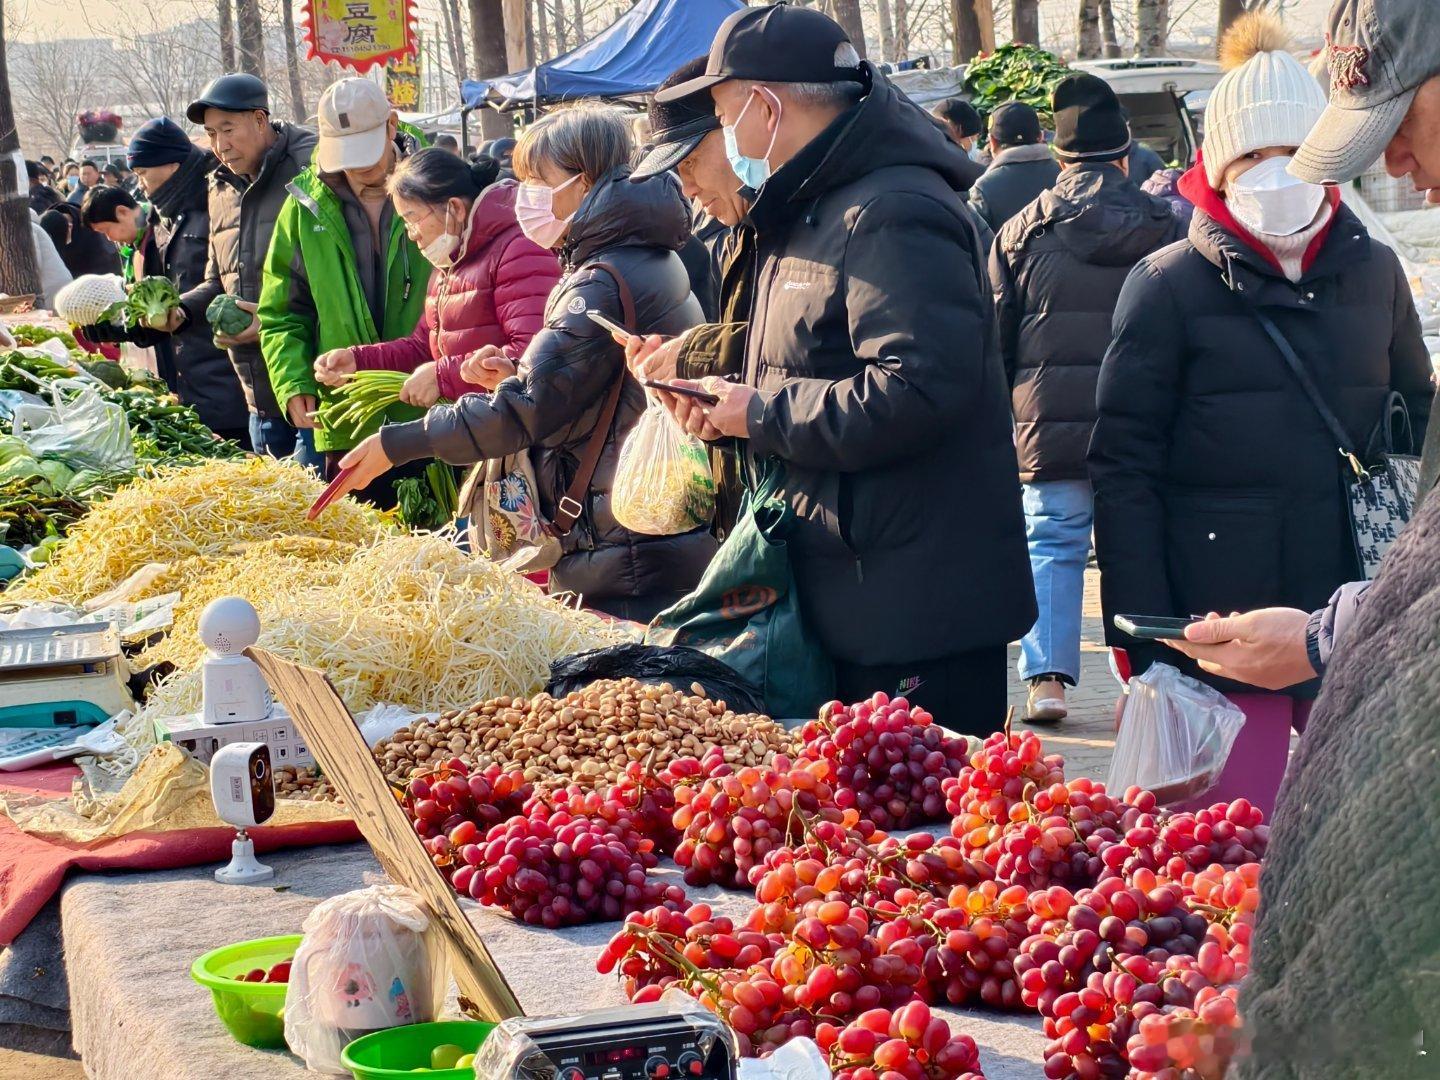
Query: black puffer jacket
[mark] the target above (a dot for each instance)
(1057, 271)
(1349, 927)
(189, 362)
(1014, 180)
(872, 344)
(1217, 486)
(242, 220)
(552, 405)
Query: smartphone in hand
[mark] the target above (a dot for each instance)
(1154, 627)
(684, 391)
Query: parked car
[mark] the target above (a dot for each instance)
(1154, 90)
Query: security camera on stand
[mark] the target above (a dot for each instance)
(243, 789)
(233, 688)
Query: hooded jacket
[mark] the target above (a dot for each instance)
(493, 294)
(1217, 485)
(1057, 269)
(325, 288)
(882, 395)
(1014, 180)
(552, 405)
(81, 249)
(242, 221)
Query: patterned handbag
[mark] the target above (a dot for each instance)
(1382, 495)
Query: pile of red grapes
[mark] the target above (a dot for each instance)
(1125, 926)
(890, 761)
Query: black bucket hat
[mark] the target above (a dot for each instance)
(677, 127)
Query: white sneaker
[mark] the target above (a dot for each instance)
(1046, 702)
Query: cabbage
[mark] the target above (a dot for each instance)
(58, 473)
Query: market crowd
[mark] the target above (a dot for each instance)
(963, 353)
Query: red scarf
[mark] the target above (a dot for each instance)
(1196, 187)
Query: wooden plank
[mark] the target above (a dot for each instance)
(335, 740)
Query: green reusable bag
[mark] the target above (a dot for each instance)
(744, 611)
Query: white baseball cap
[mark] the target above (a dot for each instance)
(354, 119)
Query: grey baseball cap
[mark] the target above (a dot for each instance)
(1379, 52)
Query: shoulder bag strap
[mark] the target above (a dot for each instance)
(572, 503)
(1302, 376)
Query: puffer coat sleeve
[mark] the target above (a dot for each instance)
(1137, 397)
(564, 373)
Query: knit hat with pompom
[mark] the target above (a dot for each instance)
(1266, 97)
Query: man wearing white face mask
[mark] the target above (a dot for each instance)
(1218, 481)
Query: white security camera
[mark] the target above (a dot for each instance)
(243, 788)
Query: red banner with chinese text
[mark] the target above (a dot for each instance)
(359, 34)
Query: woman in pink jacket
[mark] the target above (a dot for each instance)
(487, 297)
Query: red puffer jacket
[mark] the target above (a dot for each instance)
(494, 295)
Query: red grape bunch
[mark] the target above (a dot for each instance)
(908, 1044)
(990, 792)
(663, 946)
(1171, 844)
(890, 760)
(729, 824)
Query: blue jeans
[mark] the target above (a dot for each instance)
(1058, 518)
(274, 436)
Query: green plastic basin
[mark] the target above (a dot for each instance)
(399, 1052)
(254, 1013)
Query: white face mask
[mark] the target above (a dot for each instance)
(1267, 199)
(534, 210)
(440, 252)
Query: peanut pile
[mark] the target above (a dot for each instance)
(588, 736)
(304, 783)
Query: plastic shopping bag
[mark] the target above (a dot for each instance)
(1175, 736)
(663, 484)
(370, 960)
(79, 427)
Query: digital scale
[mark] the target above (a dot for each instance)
(632, 1042)
(62, 676)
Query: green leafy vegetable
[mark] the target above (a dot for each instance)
(226, 316)
(1015, 73)
(108, 372)
(149, 300)
(29, 334)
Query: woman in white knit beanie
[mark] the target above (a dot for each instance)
(1218, 486)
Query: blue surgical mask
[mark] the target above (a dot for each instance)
(752, 172)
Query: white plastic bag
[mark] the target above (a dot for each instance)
(663, 484)
(370, 959)
(1175, 736)
(80, 428)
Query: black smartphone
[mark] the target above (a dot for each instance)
(609, 324)
(1154, 627)
(685, 391)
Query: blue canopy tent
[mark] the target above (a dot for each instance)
(633, 55)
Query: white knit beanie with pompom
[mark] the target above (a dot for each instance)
(1266, 98)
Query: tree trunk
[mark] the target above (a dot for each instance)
(965, 28)
(227, 35)
(557, 22)
(887, 32)
(1107, 30)
(1150, 27)
(543, 51)
(298, 111)
(577, 22)
(1025, 21)
(250, 31)
(487, 31)
(1230, 10)
(847, 14)
(19, 272)
(454, 30)
(1088, 31)
(517, 41)
(985, 13)
(902, 29)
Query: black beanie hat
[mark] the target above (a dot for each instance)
(1089, 123)
(159, 142)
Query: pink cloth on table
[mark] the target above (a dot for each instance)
(1257, 761)
(32, 868)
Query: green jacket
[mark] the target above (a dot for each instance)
(312, 300)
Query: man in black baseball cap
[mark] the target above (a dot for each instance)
(1021, 165)
(258, 158)
(870, 370)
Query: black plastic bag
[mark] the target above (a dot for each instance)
(678, 665)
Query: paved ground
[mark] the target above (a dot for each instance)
(1086, 739)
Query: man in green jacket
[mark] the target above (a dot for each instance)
(341, 270)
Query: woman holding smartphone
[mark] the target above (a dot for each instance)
(612, 237)
(1218, 485)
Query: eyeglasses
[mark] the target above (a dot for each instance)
(412, 228)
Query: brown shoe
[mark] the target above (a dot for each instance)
(1046, 702)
